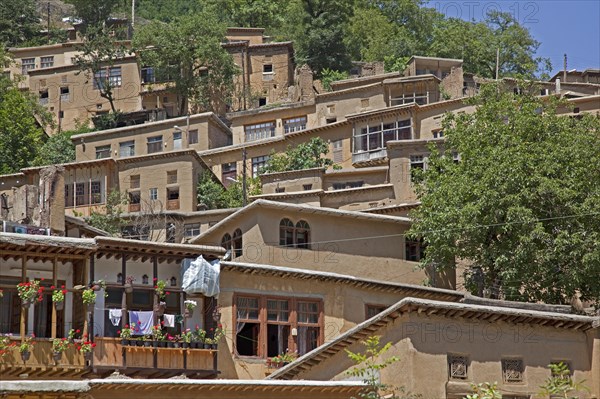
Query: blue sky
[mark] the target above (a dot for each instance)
(562, 26)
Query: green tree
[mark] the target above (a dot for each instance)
(561, 384)
(485, 391)
(303, 156)
(477, 42)
(328, 76)
(318, 31)
(93, 13)
(521, 206)
(189, 50)
(19, 24)
(370, 35)
(59, 148)
(110, 220)
(215, 196)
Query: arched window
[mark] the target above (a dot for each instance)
(226, 241)
(286, 233)
(302, 235)
(237, 243)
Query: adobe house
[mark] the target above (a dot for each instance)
(81, 262)
(324, 239)
(444, 347)
(269, 310)
(183, 388)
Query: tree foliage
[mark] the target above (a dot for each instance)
(560, 384)
(215, 196)
(303, 156)
(328, 76)
(93, 13)
(58, 148)
(189, 50)
(485, 391)
(521, 206)
(110, 219)
(19, 24)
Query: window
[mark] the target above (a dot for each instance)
(27, 64)
(286, 233)
(172, 198)
(260, 318)
(307, 187)
(330, 120)
(96, 192)
(417, 162)
(148, 75)
(238, 249)
(226, 241)
(373, 310)
(64, 94)
(364, 103)
(262, 101)
(512, 370)
(375, 137)
(193, 137)
(260, 131)
(338, 155)
(68, 195)
(134, 181)
(170, 232)
(127, 149)
(348, 184)
(280, 189)
(10, 306)
(437, 133)
(258, 163)
(171, 176)
(268, 68)
(80, 194)
(47, 62)
(103, 151)
(414, 250)
(136, 233)
(228, 170)
(110, 76)
(331, 109)
(154, 144)
(294, 124)
(191, 230)
(419, 98)
(294, 236)
(153, 194)
(134, 198)
(44, 97)
(302, 235)
(458, 367)
(177, 140)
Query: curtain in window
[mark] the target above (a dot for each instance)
(243, 305)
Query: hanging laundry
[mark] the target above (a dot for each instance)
(142, 322)
(114, 315)
(179, 318)
(169, 320)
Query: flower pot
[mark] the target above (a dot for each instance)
(176, 345)
(139, 342)
(185, 345)
(87, 356)
(124, 341)
(170, 344)
(162, 344)
(128, 288)
(213, 346)
(57, 356)
(59, 305)
(188, 313)
(96, 287)
(194, 345)
(147, 344)
(206, 346)
(25, 355)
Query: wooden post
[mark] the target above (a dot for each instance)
(155, 276)
(23, 327)
(124, 314)
(55, 283)
(86, 264)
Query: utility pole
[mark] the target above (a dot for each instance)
(132, 18)
(565, 68)
(244, 195)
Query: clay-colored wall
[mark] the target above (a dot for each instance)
(210, 135)
(292, 181)
(344, 249)
(344, 307)
(428, 120)
(359, 199)
(254, 36)
(349, 102)
(423, 343)
(273, 85)
(104, 173)
(63, 55)
(83, 101)
(153, 174)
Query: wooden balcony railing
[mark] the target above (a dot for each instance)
(109, 355)
(41, 363)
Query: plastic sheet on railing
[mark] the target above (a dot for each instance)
(200, 276)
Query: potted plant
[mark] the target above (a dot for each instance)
(25, 347)
(128, 286)
(189, 307)
(125, 335)
(217, 335)
(88, 296)
(5, 344)
(30, 292)
(283, 359)
(59, 345)
(58, 297)
(198, 337)
(86, 347)
(186, 338)
(98, 285)
(158, 336)
(161, 294)
(73, 335)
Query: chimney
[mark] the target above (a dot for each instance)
(558, 86)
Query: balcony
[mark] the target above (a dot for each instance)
(369, 156)
(41, 364)
(110, 355)
(172, 204)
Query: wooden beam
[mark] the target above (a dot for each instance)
(55, 283)
(23, 327)
(33, 254)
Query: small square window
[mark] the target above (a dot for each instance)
(458, 367)
(153, 194)
(193, 137)
(512, 370)
(102, 151)
(171, 177)
(268, 68)
(280, 190)
(364, 103)
(307, 187)
(134, 181)
(262, 101)
(191, 230)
